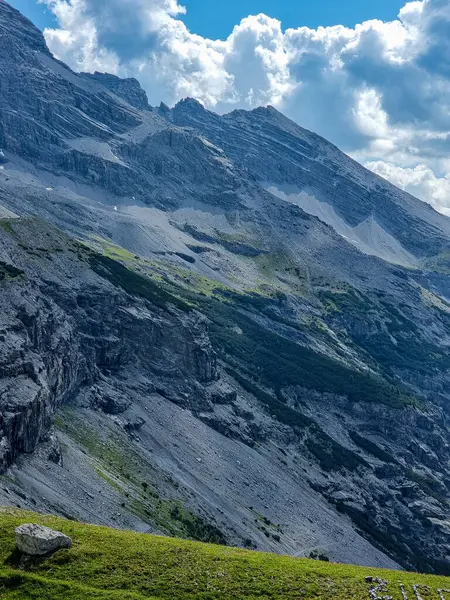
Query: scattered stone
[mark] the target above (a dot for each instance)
(37, 540)
(134, 424)
(379, 588)
(113, 404)
(342, 496)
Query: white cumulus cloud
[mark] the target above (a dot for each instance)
(420, 181)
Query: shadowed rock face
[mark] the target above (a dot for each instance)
(64, 328)
(215, 362)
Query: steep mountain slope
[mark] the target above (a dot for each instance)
(303, 168)
(142, 408)
(217, 362)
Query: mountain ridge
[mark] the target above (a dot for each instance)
(246, 119)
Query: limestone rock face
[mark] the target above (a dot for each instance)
(63, 328)
(128, 89)
(312, 165)
(37, 540)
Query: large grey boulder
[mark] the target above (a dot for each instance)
(37, 540)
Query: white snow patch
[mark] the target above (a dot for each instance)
(369, 236)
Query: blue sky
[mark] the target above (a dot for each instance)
(214, 19)
(34, 11)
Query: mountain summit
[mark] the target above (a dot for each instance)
(303, 168)
(215, 327)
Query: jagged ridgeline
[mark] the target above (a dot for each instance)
(219, 328)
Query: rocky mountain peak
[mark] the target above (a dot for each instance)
(164, 110)
(129, 89)
(189, 105)
(259, 111)
(17, 32)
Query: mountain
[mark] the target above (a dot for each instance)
(304, 169)
(215, 327)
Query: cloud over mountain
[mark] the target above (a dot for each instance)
(380, 90)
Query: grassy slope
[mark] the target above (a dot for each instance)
(109, 564)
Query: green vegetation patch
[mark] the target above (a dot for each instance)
(346, 300)
(114, 251)
(236, 243)
(6, 225)
(134, 283)
(273, 359)
(399, 345)
(8, 272)
(278, 409)
(430, 485)
(109, 564)
(409, 352)
(116, 462)
(278, 361)
(20, 586)
(439, 263)
(331, 455)
(371, 447)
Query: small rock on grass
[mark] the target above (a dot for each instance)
(37, 540)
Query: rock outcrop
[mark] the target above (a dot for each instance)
(38, 540)
(128, 89)
(63, 328)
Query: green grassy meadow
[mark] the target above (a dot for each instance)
(110, 564)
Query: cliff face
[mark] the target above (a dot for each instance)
(128, 89)
(127, 370)
(65, 328)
